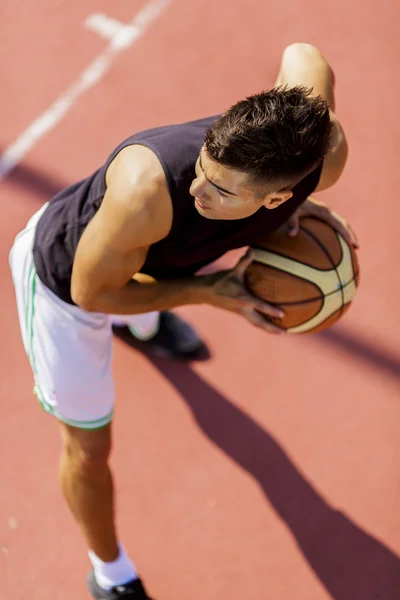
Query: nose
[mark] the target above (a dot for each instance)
(197, 189)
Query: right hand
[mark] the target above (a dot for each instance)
(229, 292)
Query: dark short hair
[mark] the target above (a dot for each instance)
(276, 136)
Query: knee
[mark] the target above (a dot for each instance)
(301, 48)
(302, 55)
(87, 451)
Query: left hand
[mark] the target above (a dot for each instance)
(314, 208)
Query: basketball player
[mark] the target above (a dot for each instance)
(123, 247)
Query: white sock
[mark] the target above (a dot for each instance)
(109, 574)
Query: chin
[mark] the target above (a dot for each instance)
(206, 214)
(214, 217)
(210, 214)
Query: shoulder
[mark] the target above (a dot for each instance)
(135, 165)
(137, 189)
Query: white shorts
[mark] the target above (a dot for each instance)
(69, 349)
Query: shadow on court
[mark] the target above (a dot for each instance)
(363, 352)
(349, 562)
(33, 180)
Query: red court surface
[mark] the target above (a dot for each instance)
(272, 469)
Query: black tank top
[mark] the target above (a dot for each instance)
(193, 241)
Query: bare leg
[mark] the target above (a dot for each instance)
(87, 485)
(304, 64)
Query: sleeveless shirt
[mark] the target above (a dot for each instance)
(193, 241)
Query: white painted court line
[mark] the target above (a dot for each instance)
(124, 38)
(106, 27)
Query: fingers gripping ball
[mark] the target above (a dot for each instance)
(313, 276)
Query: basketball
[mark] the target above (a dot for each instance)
(313, 276)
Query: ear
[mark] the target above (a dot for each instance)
(277, 198)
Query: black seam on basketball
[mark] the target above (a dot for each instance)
(300, 262)
(277, 321)
(309, 281)
(342, 290)
(314, 298)
(325, 320)
(317, 297)
(341, 286)
(316, 314)
(342, 294)
(316, 240)
(299, 302)
(289, 272)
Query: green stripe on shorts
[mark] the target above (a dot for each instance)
(29, 314)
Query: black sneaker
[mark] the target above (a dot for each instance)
(134, 589)
(174, 338)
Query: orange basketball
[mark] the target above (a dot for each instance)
(312, 276)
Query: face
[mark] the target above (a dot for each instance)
(223, 193)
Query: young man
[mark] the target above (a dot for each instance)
(128, 241)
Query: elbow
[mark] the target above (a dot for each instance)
(83, 299)
(302, 50)
(85, 303)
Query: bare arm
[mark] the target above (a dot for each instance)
(304, 64)
(136, 212)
